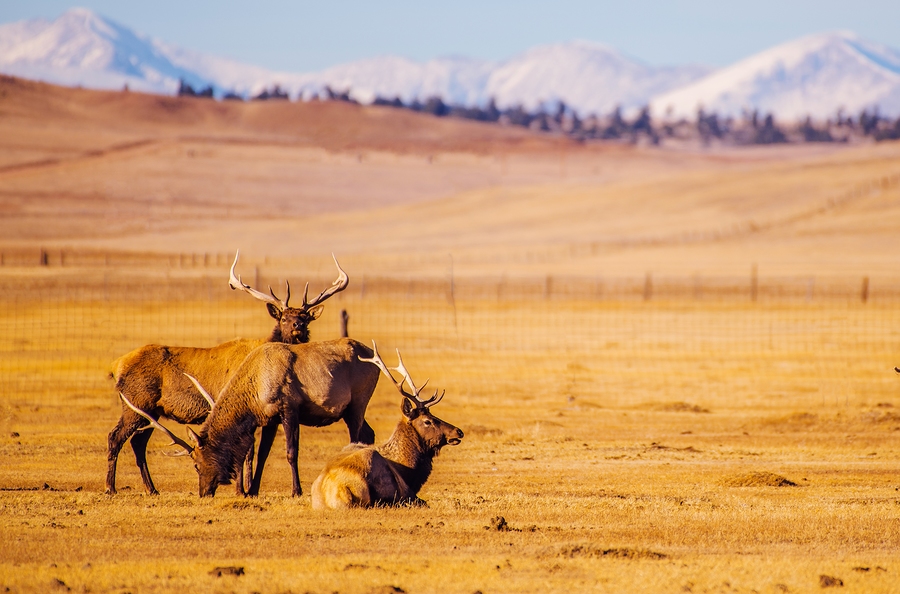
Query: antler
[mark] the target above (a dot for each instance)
(235, 282)
(336, 287)
(414, 397)
(202, 390)
(175, 439)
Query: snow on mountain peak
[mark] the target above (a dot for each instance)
(814, 75)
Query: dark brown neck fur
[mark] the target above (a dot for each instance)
(411, 458)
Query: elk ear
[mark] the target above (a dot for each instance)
(315, 312)
(195, 439)
(273, 311)
(408, 409)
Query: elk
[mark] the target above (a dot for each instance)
(312, 384)
(153, 376)
(394, 472)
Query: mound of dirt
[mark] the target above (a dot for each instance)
(589, 550)
(878, 417)
(758, 479)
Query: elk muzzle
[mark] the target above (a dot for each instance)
(455, 439)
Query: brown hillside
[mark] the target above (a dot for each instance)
(127, 171)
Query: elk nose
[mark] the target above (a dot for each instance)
(459, 433)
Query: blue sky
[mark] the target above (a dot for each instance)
(306, 36)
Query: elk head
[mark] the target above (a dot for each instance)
(433, 432)
(211, 474)
(292, 325)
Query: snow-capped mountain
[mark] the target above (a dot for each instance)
(458, 81)
(814, 75)
(83, 48)
(591, 77)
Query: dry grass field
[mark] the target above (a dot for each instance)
(642, 414)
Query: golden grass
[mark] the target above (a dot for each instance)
(612, 444)
(628, 446)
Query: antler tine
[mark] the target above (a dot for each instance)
(377, 361)
(235, 282)
(402, 369)
(202, 390)
(283, 304)
(336, 287)
(156, 424)
(434, 399)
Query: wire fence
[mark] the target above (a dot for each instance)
(749, 341)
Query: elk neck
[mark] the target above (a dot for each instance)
(409, 455)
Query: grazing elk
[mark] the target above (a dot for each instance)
(312, 384)
(394, 472)
(153, 377)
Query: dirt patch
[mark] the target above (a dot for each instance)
(796, 421)
(485, 431)
(758, 479)
(592, 551)
(659, 446)
(675, 407)
(499, 524)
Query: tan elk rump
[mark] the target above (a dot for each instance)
(152, 377)
(394, 472)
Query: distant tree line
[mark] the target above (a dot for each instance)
(707, 127)
(186, 90)
(751, 128)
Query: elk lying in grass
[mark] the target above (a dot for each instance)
(312, 384)
(394, 472)
(153, 377)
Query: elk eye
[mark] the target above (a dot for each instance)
(427, 423)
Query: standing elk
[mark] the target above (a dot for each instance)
(394, 472)
(313, 384)
(153, 377)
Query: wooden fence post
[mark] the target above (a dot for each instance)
(864, 294)
(345, 319)
(648, 287)
(754, 283)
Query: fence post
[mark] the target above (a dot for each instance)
(754, 283)
(345, 319)
(864, 294)
(452, 294)
(648, 287)
(44, 257)
(548, 286)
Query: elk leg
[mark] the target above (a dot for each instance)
(360, 431)
(117, 438)
(139, 445)
(292, 445)
(245, 477)
(266, 439)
